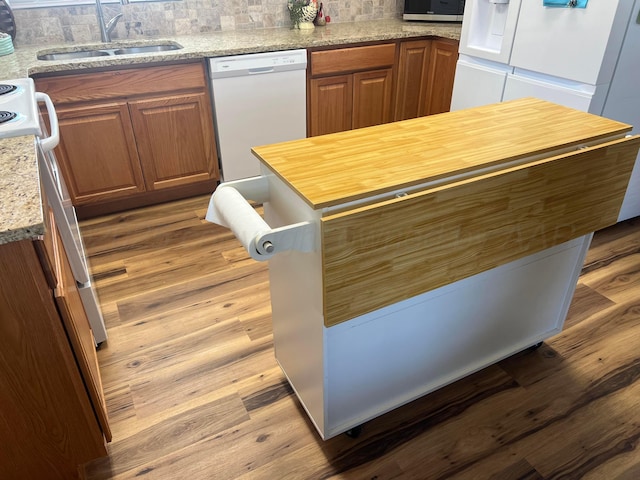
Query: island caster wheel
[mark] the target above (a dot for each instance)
(354, 432)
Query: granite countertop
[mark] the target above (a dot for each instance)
(21, 216)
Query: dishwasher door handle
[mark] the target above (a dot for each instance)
(259, 70)
(229, 208)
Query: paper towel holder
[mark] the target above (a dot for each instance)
(269, 241)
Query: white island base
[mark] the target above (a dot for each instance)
(357, 370)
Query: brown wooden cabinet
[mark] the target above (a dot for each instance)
(330, 104)
(135, 136)
(372, 97)
(175, 139)
(361, 86)
(426, 69)
(413, 73)
(442, 70)
(52, 412)
(350, 88)
(78, 328)
(97, 152)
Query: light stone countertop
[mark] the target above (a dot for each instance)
(20, 208)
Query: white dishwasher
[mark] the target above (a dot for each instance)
(258, 99)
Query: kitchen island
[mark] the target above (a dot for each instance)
(405, 256)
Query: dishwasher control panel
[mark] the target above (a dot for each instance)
(258, 63)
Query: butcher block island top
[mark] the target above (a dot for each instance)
(338, 168)
(412, 206)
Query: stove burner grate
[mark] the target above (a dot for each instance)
(5, 88)
(7, 116)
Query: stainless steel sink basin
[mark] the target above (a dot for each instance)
(72, 55)
(147, 49)
(103, 52)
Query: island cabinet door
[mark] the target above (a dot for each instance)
(440, 235)
(175, 139)
(97, 152)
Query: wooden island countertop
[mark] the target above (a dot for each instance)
(342, 167)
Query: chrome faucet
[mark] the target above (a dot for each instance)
(106, 29)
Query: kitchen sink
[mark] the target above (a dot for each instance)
(147, 49)
(104, 52)
(72, 55)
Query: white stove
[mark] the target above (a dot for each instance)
(20, 115)
(18, 108)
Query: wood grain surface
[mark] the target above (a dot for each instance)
(343, 60)
(194, 391)
(378, 255)
(345, 166)
(47, 423)
(78, 330)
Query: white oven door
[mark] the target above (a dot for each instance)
(58, 196)
(66, 221)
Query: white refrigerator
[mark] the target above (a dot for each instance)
(585, 57)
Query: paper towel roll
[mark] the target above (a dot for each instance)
(229, 209)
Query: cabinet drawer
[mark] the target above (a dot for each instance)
(122, 83)
(350, 59)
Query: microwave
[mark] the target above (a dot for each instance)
(433, 10)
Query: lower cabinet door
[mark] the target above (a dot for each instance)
(413, 70)
(79, 332)
(330, 104)
(175, 139)
(442, 70)
(97, 152)
(48, 424)
(372, 98)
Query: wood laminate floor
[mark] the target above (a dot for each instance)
(194, 392)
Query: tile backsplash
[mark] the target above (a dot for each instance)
(183, 17)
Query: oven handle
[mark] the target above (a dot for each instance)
(52, 140)
(229, 208)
